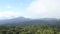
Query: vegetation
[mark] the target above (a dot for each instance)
(26, 26)
(31, 29)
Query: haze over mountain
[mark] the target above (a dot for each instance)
(30, 16)
(13, 20)
(29, 21)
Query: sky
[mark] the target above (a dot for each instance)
(29, 9)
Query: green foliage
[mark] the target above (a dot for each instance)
(32, 29)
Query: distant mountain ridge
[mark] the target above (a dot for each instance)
(19, 19)
(28, 21)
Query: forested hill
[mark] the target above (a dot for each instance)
(27, 21)
(23, 25)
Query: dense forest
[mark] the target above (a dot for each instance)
(32, 29)
(30, 26)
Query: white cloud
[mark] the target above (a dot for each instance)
(7, 14)
(44, 9)
(36, 9)
(11, 14)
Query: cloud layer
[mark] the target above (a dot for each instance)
(44, 9)
(36, 9)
